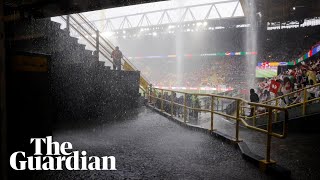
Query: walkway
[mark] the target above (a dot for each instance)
(148, 146)
(299, 152)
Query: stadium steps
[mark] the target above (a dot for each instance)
(301, 124)
(80, 25)
(294, 113)
(72, 68)
(55, 42)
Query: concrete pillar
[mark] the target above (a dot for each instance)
(3, 123)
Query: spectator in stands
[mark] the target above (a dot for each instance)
(175, 100)
(286, 89)
(158, 101)
(299, 95)
(180, 112)
(318, 77)
(166, 103)
(312, 90)
(265, 96)
(116, 55)
(311, 75)
(195, 104)
(253, 98)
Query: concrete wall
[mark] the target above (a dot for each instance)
(73, 87)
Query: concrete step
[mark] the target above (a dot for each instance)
(294, 113)
(34, 29)
(48, 44)
(67, 48)
(72, 56)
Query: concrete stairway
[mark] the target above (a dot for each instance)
(81, 85)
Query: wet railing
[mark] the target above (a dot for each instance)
(168, 100)
(307, 95)
(81, 26)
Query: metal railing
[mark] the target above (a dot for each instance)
(157, 97)
(278, 101)
(80, 25)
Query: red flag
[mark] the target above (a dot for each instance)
(274, 86)
(310, 53)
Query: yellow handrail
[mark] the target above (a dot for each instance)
(237, 117)
(292, 93)
(303, 104)
(104, 45)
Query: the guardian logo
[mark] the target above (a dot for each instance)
(63, 156)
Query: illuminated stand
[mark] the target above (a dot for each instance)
(195, 55)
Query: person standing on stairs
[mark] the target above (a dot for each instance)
(116, 55)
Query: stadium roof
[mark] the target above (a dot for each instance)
(50, 8)
(165, 12)
(272, 10)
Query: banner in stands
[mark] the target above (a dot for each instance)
(313, 51)
(271, 64)
(196, 55)
(274, 86)
(316, 50)
(219, 88)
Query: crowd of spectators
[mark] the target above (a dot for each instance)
(296, 78)
(226, 70)
(283, 45)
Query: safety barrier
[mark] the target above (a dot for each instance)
(170, 99)
(303, 94)
(86, 30)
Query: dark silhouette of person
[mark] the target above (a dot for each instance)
(253, 98)
(116, 55)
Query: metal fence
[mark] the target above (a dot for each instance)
(176, 103)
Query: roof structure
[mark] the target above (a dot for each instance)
(162, 13)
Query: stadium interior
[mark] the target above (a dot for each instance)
(223, 67)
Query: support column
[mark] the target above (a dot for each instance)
(68, 24)
(3, 118)
(97, 44)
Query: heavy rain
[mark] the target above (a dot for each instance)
(179, 89)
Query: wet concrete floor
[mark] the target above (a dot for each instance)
(299, 152)
(149, 146)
